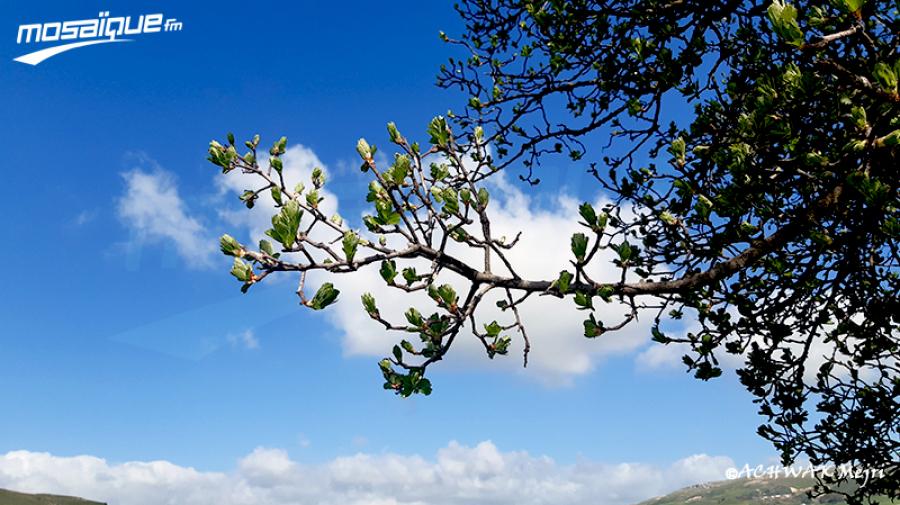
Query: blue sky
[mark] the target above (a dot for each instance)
(113, 345)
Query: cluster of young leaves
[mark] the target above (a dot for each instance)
(424, 202)
(770, 212)
(252, 266)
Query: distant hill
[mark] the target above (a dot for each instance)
(13, 498)
(779, 491)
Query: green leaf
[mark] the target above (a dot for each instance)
(364, 150)
(423, 386)
(706, 371)
(394, 133)
(241, 271)
(602, 219)
(414, 317)
(583, 300)
(410, 275)
(368, 302)
(588, 214)
(276, 164)
(439, 132)
(635, 106)
(447, 294)
(451, 204)
(439, 171)
(385, 214)
(325, 296)
(625, 251)
(230, 247)
(249, 198)
(592, 328)
(220, 156)
(276, 194)
(388, 270)
(852, 6)
(318, 177)
(266, 247)
(885, 76)
(563, 282)
(858, 114)
(483, 198)
(579, 245)
(350, 244)
(668, 218)
(286, 223)
(372, 224)
(500, 345)
(459, 234)
(312, 198)
(605, 292)
(399, 170)
(703, 207)
(783, 17)
(492, 329)
(891, 139)
(465, 195)
(677, 150)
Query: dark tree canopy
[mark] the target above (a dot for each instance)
(750, 152)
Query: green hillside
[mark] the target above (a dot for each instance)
(13, 498)
(780, 491)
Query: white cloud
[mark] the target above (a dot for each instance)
(155, 213)
(554, 326)
(559, 349)
(246, 339)
(266, 467)
(456, 475)
(662, 357)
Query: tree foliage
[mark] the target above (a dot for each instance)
(766, 205)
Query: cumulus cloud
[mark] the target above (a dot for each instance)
(155, 213)
(456, 475)
(554, 326)
(662, 357)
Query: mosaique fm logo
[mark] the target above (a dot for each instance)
(103, 29)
